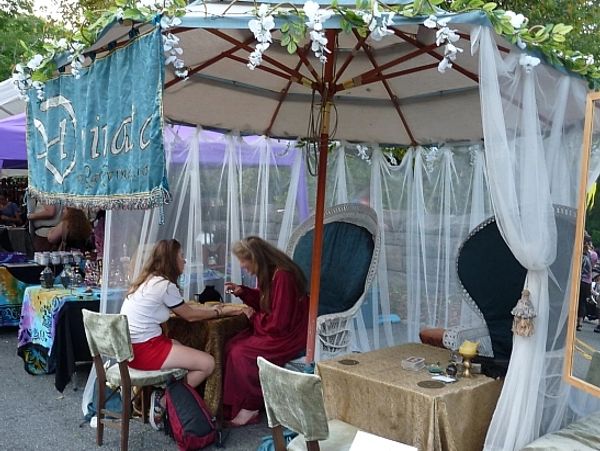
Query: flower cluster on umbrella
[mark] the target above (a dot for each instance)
(316, 17)
(261, 28)
(370, 17)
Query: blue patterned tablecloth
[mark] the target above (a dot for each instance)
(37, 325)
(11, 295)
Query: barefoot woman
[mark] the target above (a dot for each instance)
(279, 326)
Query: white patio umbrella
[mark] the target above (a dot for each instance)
(389, 91)
(398, 90)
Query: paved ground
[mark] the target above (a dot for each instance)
(589, 341)
(34, 416)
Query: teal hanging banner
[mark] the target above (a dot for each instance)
(97, 141)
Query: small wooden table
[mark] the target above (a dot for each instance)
(379, 396)
(210, 336)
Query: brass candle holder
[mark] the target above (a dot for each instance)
(468, 350)
(467, 363)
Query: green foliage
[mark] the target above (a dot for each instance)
(292, 31)
(554, 39)
(20, 31)
(582, 15)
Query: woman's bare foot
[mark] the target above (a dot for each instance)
(244, 417)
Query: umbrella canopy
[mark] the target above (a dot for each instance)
(402, 90)
(397, 90)
(388, 91)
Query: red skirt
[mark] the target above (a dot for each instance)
(150, 355)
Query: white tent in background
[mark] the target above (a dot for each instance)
(10, 103)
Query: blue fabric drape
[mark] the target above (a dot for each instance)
(98, 140)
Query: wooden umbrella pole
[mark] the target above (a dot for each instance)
(315, 274)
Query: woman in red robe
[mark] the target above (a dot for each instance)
(278, 326)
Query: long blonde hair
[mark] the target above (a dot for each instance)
(162, 262)
(265, 260)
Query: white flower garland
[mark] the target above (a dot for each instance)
(22, 75)
(378, 23)
(444, 35)
(261, 28)
(173, 52)
(316, 17)
(528, 62)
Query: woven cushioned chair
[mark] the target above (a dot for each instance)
(108, 337)
(295, 401)
(350, 256)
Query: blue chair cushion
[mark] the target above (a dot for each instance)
(347, 252)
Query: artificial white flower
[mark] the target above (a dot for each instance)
(119, 14)
(363, 152)
(392, 159)
(446, 34)
(521, 44)
(39, 87)
(378, 23)
(444, 64)
(35, 62)
(182, 74)
(528, 62)
(167, 22)
(261, 28)
(451, 51)
(433, 22)
(62, 44)
(589, 59)
(516, 20)
(430, 22)
(316, 16)
(77, 46)
(254, 60)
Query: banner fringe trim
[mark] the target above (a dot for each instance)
(137, 201)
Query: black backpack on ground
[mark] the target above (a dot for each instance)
(188, 420)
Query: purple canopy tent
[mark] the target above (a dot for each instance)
(212, 152)
(13, 143)
(13, 150)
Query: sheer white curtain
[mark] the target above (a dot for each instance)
(224, 187)
(521, 105)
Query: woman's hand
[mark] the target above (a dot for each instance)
(191, 312)
(233, 288)
(218, 309)
(238, 309)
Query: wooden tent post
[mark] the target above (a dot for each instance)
(315, 275)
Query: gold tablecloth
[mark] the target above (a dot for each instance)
(379, 396)
(210, 336)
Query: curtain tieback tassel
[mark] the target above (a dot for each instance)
(523, 313)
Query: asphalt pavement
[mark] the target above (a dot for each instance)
(35, 416)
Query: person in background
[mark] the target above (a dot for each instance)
(99, 222)
(10, 214)
(592, 251)
(585, 285)
(278, 330)
(41, 219)
(73, 231)
(151, 299)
